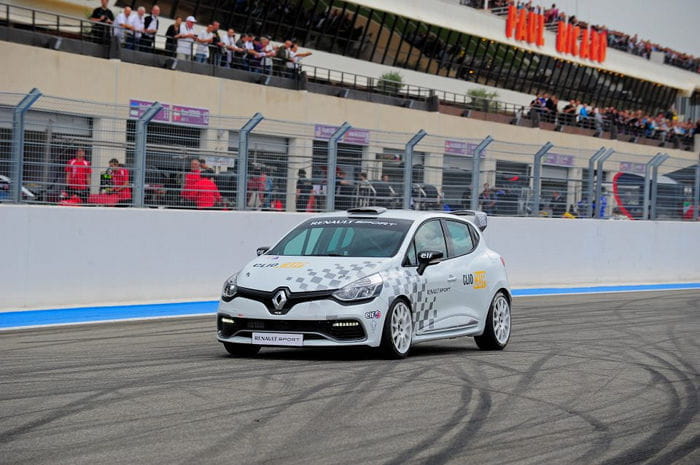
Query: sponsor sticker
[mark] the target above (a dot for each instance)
(477, 280)
(438, 290)
(280, 265)
(278, 339)
(373, 315)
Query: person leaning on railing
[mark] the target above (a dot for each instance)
(170, 34)
(150, 29)
(185, 39)
(122, 28)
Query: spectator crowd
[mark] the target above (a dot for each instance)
(185, 40)
(617, 40)
(666, 127)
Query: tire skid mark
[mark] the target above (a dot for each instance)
(667, 430)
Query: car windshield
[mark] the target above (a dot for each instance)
(344, 237)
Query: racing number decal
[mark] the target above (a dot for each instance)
(479, 280)
(476, 280)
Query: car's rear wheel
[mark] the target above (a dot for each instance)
(241, 350)
(398, 330)
(497, 332)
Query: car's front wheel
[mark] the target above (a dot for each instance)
(497, 332)
(398, 330)
(241, 350)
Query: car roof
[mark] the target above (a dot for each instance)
(413, 215)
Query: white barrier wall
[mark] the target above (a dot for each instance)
(61, 256)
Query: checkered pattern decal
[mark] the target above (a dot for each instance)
(399, 281)
(331, 277)
(405, 281)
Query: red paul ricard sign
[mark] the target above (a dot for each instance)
(582, 42)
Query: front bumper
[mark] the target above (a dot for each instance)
(323, 323)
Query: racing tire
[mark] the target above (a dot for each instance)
(497, 331)
(397, 334)
(241, 350)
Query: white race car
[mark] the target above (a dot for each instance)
(370, 277)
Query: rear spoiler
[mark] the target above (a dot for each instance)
(480, 218)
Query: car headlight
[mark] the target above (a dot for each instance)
(230, 288)
(365, 288)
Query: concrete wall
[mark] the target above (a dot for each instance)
(55, 256)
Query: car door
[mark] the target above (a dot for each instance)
(466, 270)
(430, 298)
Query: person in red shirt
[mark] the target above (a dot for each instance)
(207, 194)
(78, 176)
(120, 182)
(189, 190)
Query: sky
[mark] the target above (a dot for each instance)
(670, 23)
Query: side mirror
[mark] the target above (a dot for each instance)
(427, 258)
(262, 250)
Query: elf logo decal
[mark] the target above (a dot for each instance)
(477, 280)
(373, 315)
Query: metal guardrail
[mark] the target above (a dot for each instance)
(83, 153)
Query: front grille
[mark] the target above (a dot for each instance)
(350, 330)
(293, 298)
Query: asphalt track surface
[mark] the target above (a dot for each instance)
(595, 379)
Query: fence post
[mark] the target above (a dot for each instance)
(476, 170)
(599, 180)
(537, 175)
(696, 192)
(140, 153)
(17, 156)
(332, 164)
(242, 161)
(654, 184)
(647, 185)
(591, 181)
(408, 167)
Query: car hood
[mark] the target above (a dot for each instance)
(306, 274)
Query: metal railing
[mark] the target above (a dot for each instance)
(150, 154)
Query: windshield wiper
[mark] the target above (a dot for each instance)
(325, 255)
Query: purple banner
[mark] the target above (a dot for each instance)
(138, 107)
(353, 136)
(558, 159)
(177, 114)
(458, 147)
(629, 167)
(190, 115)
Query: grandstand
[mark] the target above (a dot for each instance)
(462, 76)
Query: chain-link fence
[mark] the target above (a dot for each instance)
(147, 154)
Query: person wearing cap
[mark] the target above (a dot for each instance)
(185, 39)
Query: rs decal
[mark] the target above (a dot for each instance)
(479, 280)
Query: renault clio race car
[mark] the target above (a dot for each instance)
(370, 277)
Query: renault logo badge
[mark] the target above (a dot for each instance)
(279, 299)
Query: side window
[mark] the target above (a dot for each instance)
(475, 235)
(430, 237)
(460, 238)
(411, 254)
